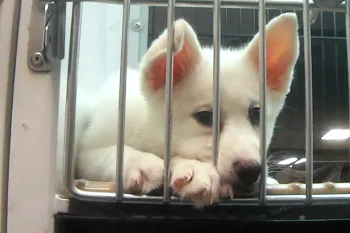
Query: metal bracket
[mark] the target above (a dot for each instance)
(322, 4)
(328, 3)
(46, 34)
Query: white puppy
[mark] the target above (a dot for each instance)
(192, 173)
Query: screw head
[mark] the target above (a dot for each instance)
(136, 25)
(37, 60)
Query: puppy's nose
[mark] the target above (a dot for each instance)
(247, 173)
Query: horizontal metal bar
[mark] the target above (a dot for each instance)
(275, 200)
(275, 189)
(178, 201)
(296, 200)
(328, 199)
(103, 197)
(270, 4)
(271, 200)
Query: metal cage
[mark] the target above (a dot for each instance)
(263, 199)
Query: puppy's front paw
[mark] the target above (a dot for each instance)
(144, 175)
(195, 180)
(225, 190)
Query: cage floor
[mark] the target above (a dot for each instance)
(73, 224)
(152, 212)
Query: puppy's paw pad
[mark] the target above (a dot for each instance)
(134, 180)
(144, 178)
(153, 178)
(181, 177)
(195, 180)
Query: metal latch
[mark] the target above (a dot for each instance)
(46, 34)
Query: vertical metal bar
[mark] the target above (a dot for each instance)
(308, 102)
(336, 61)
(347, 26)
(121, 104)
(216, 79)
(71, 94)
(169, 97)
(323, 60)
(262, 66)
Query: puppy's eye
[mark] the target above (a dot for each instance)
(254, 115)
(204, 117)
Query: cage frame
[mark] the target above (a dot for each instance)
(29, 195)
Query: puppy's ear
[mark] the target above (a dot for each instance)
(187, 54)
(282, 51)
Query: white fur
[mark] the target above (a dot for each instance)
(192, 173)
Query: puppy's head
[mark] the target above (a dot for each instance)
(239, 160)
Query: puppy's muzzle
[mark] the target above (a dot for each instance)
(247, 173)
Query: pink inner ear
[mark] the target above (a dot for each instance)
(276, 71)
(184, 61)
(279, 58)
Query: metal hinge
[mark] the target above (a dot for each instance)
(46, 34)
